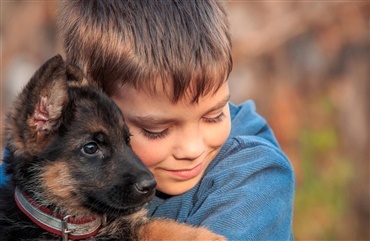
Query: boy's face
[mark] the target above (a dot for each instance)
(176, 141)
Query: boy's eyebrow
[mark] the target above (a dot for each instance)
(220, 104)
(160, 120)
(151, 119)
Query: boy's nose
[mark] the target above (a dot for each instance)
(189, 146)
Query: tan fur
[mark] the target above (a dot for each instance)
(161, 230)
(59, 188)
(164, 230)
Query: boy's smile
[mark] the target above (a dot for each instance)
(176, 141)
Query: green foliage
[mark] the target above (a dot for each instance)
(321, 195)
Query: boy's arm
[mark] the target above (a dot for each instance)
(250, 196)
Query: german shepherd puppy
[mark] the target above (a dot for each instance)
(73, 173)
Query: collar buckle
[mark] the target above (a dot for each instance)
(65, 230)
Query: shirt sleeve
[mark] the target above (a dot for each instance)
(249, 194)
(3, 176)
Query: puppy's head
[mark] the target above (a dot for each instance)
(69, 146)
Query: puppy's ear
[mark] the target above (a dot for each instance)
(51, 92)
(38, 110)
(75, 76)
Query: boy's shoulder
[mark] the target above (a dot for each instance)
(250, 148)
(246, 122)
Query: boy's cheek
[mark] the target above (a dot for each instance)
(149, 153)
(218, 135)
(146, 150)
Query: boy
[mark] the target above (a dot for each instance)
(165, 64)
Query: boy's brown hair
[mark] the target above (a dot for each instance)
(183, 44)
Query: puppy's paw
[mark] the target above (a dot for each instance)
(163, 229)
(202, 234)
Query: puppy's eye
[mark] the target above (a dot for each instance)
(127, 134)
(128, 138)
(90, 148)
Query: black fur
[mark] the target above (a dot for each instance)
(83, 146)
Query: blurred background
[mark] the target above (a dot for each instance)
(306, 66)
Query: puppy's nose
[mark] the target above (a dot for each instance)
(146, 186)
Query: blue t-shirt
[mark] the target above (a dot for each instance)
(247, 191)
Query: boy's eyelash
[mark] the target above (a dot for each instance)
(216, 119)
(160, 135)
(154, 135)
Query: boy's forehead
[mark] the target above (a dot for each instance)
(163, 89)
(133, 100)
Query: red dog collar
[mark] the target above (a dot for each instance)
(65, 226)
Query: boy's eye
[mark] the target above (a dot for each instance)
(155, 135)
(216, 119)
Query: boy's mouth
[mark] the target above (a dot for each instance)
(185, 174)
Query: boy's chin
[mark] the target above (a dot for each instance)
(174, 189)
